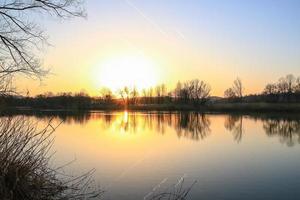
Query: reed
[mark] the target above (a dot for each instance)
(25, 171)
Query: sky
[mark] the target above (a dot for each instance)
(164, 41)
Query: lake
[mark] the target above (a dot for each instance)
(139, 154)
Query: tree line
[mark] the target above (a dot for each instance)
(285, 90)
(193, 92)
(285, 85)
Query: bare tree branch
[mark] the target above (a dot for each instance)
(21, 39)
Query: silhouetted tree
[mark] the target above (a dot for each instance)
(25, 171)
(238, 88)
(287, 89)
(229, 93)
(236, 91)
(21, 38)
(158, 91)
(297, 86)
(287, 84)
(134, 95)
(177, 92)
(195, 91)
(270, 89)
(106, 95)
(124, 93)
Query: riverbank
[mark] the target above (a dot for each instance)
(216, 107)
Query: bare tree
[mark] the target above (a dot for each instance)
(122, 94)
(270, 89)
(229, 93)
(286, 84)
(21, 37)
(297, 86)
(238, 88)
(203, 91)
(178, 90)
(106, 94)
(134, 95)
(158, 91)
(195, 91)
(25, 171)
(163, 90)
(126, 94)
(291, 80)
(236, 91)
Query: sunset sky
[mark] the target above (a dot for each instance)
(144, 43)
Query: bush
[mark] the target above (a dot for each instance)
(25, 172)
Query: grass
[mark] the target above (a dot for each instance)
(25, 172)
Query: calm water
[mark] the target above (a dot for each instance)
(139, 154)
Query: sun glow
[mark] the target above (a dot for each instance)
(127, 70)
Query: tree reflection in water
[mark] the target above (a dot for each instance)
(194, 126)
(234, 124)
(287, 130)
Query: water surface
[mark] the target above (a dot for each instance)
(137, 154)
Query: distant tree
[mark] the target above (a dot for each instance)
(270, 89)
(238, 88)
(195, 91)
(163, 89)
(189, 88)
(282, 86)
(158, 91)
(199, 91)
(150, 94)
(178, 90)
(134, 95)
(144, 92)
(48, 94)
(291, 81)
(122, 94)
(184, 95)
(202, 91)
(229, 93)
(286, 84)
(125, 93)
(236, 91)
(106, 94)
(297, 86)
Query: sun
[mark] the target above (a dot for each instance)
(126, 70)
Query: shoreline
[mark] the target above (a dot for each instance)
(216, 107)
